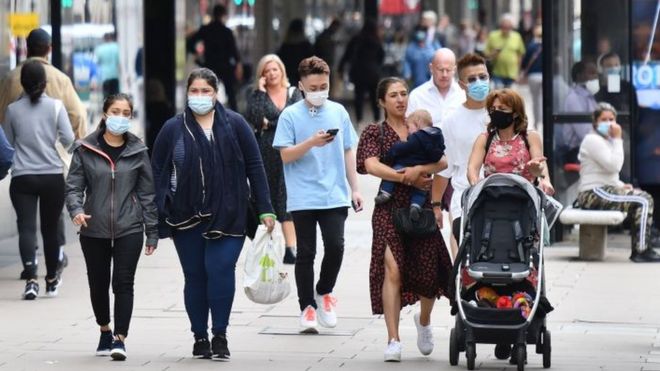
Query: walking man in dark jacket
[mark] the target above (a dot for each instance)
(220, 52)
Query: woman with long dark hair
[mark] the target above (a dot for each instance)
(403, 270)
(202, 161)
(110, 195)
(34, 123)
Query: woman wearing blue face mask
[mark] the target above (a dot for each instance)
(110, 195)
(202, 161)
(601, 158)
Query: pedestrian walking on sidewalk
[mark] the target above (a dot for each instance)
(34, 123)
(110, 195)
(316, 138)
(403, 270)
(59, 87)
(202, 161)
(271, 95)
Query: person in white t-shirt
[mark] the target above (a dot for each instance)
(441, 93)
(461, 127)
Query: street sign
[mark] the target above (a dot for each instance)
(22, 23)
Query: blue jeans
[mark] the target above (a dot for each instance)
(209, 268)
(417, 196)
(502, 82)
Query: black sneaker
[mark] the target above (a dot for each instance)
(118, 351)
(105, 344)
(52, 286)
(202, 348)
(415, 211)
(647, 256)
(219, 347)
(289, 256)
(31, 290)
(382, 197)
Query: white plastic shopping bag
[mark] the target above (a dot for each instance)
(264, 281)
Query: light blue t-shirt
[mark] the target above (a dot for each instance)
(107, 58)
(317, 180)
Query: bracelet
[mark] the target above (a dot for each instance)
(266, 215)
(436, 204)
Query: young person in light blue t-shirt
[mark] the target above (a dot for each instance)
(316, 139)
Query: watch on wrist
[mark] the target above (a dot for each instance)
(436, 204)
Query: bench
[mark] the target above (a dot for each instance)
(593, 229)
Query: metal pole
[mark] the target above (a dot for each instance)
(56, 36)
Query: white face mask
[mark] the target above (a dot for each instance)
(593, 86)
(317, 98)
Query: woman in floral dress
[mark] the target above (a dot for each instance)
(403, 270)
(271, 95)
(511, 148)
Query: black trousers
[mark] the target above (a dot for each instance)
(331, 222)
(100, 255)
(46, 191)
(110, 87)
(362, 89)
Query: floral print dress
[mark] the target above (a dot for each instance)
(424, 263)
(508, 156)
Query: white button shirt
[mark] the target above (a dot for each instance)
(428, 97)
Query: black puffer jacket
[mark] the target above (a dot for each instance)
(119, 196)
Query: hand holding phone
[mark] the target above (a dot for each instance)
(332, 132)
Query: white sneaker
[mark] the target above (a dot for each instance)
(326, 310)
(308, 324)
(393, 351)
(424, 337)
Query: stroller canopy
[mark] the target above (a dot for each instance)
(502, 180)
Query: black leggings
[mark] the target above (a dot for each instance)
(46, 191)
(99, 256)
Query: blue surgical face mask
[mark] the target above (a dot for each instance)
(200, 104)
(613, 70)
(478, 90)
(603, 128)
(117, 125)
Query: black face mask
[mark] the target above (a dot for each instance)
(501, 119)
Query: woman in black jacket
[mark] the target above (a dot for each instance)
(202, 161)
(110, 195)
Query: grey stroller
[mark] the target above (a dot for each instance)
(499, 276)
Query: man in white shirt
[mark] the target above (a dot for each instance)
(441, 93)
(461, 127)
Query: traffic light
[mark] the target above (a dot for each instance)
(67, 3)
(251, 2)
(238, 2)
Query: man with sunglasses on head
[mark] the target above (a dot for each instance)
(461, 127)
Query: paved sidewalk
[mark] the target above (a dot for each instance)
(606, 318)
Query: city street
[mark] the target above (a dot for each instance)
(606, 318)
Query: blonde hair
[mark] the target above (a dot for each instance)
(262, 65)
(421, 116)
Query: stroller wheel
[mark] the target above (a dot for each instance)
(547, 348)
(521, 355)
(471, 355)
(502, 351)
(453, 348)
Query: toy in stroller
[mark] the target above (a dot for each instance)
(499, 276)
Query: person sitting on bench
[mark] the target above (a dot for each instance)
(601, 156)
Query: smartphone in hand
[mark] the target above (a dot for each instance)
(332, 132)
